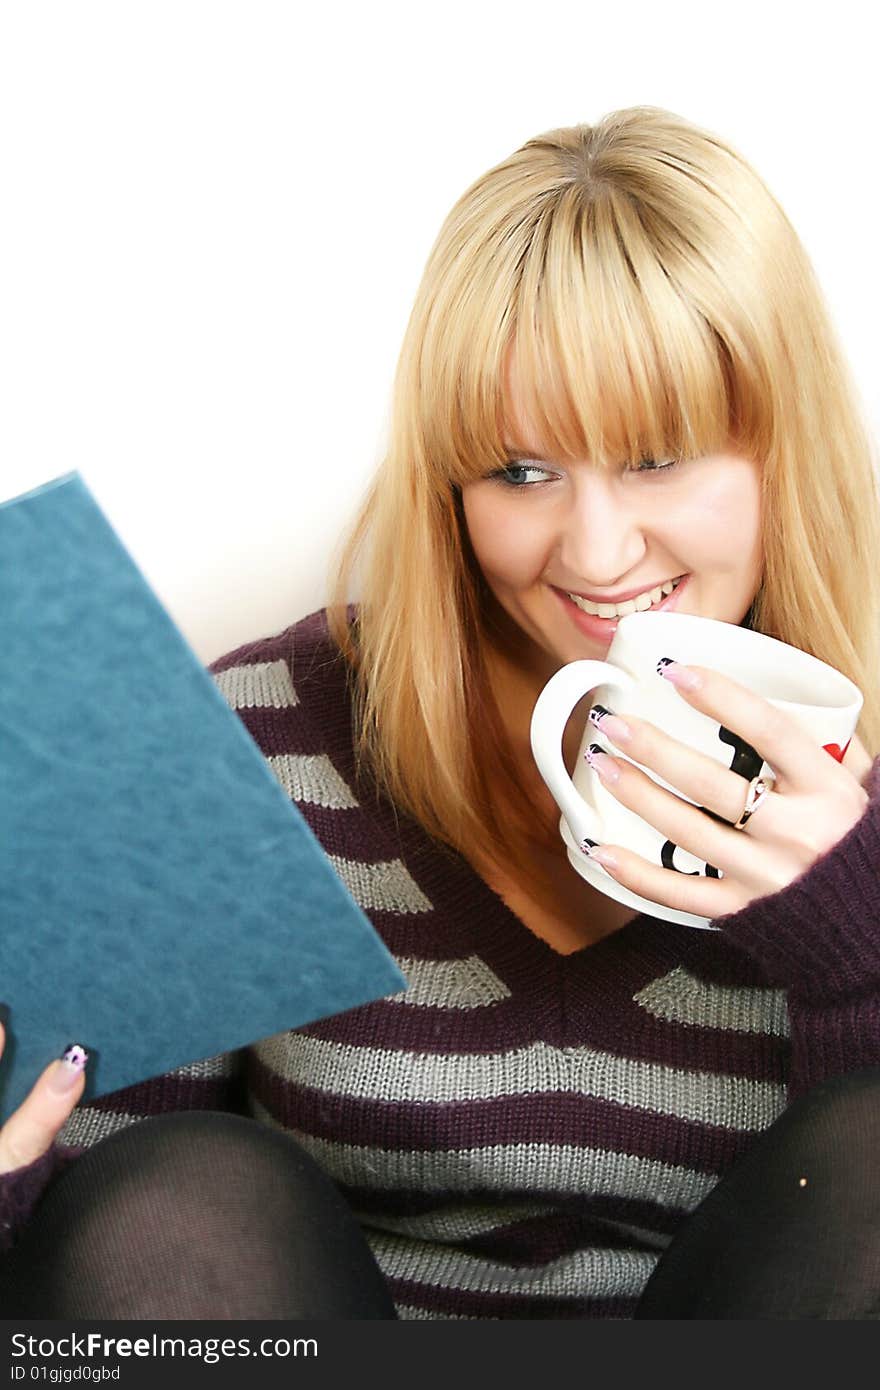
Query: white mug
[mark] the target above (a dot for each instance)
(819, 698)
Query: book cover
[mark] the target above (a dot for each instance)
(161, 898)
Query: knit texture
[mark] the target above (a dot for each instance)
(521, 1132)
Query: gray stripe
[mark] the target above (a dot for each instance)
(593, 1273)
(682, 998)
(638, 1235)
(383, 887)
(86, 1126)
(395, 1075)
(312, 778)
(563, 1168)
(450, 984)
(224, 1064)
(265, 684)
(454, 1224)
(407, 1313)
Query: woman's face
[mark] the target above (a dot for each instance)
(558, 542)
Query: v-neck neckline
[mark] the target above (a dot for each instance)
(456, 889)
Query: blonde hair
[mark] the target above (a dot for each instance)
(655, 298)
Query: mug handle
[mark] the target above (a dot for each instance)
(549, 717)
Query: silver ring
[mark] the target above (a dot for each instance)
(758, 789)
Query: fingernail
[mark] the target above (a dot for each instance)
(603, 856)
(611, 724)
(680, 676)
(69, 1066)
(602, 763)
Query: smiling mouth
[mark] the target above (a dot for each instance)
(651, 598)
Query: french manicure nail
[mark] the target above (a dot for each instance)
(679, 676)
(69, 1066)
(597, 714)
(603, 856)
(603, 764)
(611, 724)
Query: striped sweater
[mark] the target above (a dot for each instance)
(520, 1132)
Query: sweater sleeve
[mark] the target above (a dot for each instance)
(21, 1189)
(819, 938)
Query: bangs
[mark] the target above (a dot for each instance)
(602, 354)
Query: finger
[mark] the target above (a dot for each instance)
(32, 1128)
(702, 897)
(686, 826)
(770, 732)
(699, 777)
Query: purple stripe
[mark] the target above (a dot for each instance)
(507, 1025)
(167, 1093)
(542, 1239)
(493, 1028)
(280, 731)
(349, 833)
(466, 1303)
(264, 649)
(557, 1118)
(377, 1204)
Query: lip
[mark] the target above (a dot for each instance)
(620, 598)
(603, 629)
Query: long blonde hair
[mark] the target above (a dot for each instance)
(655, 297)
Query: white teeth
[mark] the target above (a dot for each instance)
(640, 604)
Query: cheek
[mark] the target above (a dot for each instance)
(723, 523)
(507, 544)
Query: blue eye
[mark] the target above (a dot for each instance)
(516, 475)
(520, 475)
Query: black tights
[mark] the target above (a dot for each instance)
(210, 1216)
(193, 1215)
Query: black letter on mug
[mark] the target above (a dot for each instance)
(669, 849)
(746, 763)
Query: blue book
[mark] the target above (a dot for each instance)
(161, 898)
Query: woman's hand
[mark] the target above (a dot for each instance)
(31, 1129)
(814, 800)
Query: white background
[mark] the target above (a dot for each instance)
(215, 216)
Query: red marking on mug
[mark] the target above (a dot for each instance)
(835, 750)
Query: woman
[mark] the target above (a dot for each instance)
(618, 374)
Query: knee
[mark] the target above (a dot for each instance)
(847, 1101)
(199, 1156)
(831, 1130)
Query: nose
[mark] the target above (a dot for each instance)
(603, 534)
